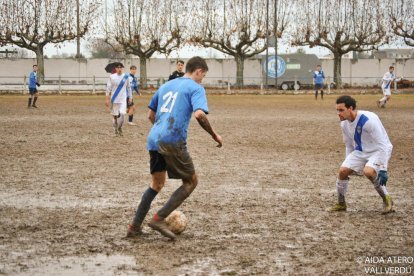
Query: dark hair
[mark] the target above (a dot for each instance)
(132, 67)
(180, 61)
(347, 100)
(318, 65)
(119, 64)
(35, 65)
(391, 67)
(195, 63)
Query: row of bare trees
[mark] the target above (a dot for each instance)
(238, 28)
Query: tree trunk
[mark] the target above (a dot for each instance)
(143, 72)
(240, 70)
(337, 69)
(40, 64)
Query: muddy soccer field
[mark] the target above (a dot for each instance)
(69, 188)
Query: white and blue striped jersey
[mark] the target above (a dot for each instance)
(366, 134)
(387, 80)
(113, 83)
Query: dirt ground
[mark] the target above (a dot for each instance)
(69, 187)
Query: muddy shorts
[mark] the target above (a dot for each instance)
(318, 86)
(32, 91)
(173, 158)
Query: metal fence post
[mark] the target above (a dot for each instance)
(24, 83)
(329, 84)
(93, 85)
(60, 84)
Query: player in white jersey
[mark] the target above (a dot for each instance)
(387, 80)
(118, 89)
(368, 150)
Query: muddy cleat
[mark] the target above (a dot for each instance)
(132, 124)
(388, 203)
(34, 106)
(338, 207)
(161, 226)
(134, 231)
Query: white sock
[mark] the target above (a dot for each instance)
(341, 188)
(120, 121)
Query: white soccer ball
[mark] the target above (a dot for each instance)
(176, 222)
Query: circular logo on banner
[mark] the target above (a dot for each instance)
(270, 67)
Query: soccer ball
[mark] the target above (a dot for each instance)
(176, 222)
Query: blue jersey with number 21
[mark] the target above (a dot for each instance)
(174, 103)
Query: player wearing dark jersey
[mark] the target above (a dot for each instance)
(170, 111)
(179, 72)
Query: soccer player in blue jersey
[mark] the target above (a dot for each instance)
(368, 150)
(318, 81)
(170, 111)
(33, 84)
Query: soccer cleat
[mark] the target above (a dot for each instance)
(120, 132)
(132, 124)
(161, 226)
(34, 106)
(134, 231)
(379, 103)
(388, 203)
(338, 207)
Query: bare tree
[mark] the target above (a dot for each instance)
(341, 26)
(401, 14)
(31, 24)
(237, 27)
(100, 49)
(144, 27)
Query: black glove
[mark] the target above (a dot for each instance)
(38, 84)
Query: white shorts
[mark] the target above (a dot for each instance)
(357, 160)
(386, 91)
(118, 108)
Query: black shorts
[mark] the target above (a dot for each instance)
(318, 86)
(173, 158)
(32, 91)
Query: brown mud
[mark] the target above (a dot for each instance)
(69, 188)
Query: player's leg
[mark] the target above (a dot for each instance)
(115, 114)
(316, 92)
(322, 93)
(376, 172)
(352, 163)
(179, 166)
(131, 110)
(121, 118)
(158, 172)
(35, 99)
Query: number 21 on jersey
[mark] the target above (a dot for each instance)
(169, 101)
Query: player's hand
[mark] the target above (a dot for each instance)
(129, 100)
(107, 102)
(38, 84)
(219, 140)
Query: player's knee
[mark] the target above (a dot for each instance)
(370, 173)
(343, 173)
(191, 183)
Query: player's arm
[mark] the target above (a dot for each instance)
(129, 90)
(348, 141)
(108, 91)
(151, 116)
(205, 124)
